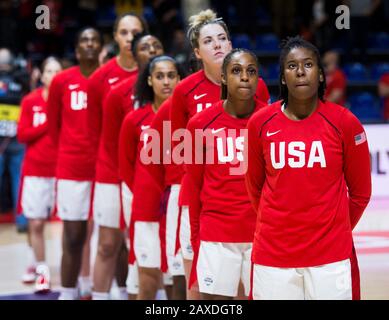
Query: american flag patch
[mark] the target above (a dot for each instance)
(360, 138)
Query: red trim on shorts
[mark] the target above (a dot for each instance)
(122, 221)
(162, 227)
(131, 249)
(92, 195)
(19, 209)
(355, 278)
(250, 297)
(178, 244)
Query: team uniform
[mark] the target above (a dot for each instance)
(168, 175)
(310, 183)
(100, 83)
(67, 107)
(148, 216)
(112, 200)
(38, 170)
(222, 219)
(192, 95)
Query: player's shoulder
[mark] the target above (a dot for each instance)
(66, 75)
(204, 118)
(190, 83)
(103, 71)
(336, 114)
(124, 87)
(32, 96)
(265, 113)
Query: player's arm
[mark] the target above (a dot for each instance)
(356, 166)
(54, 109)
(157, 170)
(112, 121)
(128, 145)
(255, 175)
(94, 110)
(178, 115)
(27, 132)
(195, 170)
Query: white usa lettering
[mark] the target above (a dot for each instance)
(78, 100)
(233, 146)
(200, 106)
(38, 118)
(296, 155)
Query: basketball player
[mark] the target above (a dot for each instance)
(309, 180)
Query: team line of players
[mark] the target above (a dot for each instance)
(281, 228)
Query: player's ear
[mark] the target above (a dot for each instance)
(224, 80)
(321, 78)
(283, 80)
(149, 81)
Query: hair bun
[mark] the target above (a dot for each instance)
(202, 17)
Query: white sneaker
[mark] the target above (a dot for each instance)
(42, 283)
(30, 276)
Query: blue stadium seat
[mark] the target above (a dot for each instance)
(365, 106)
(271, 72)
(241, 40)
(356, 72)
(379, 40)
(148, 14)
(267, 42)
(378, 69)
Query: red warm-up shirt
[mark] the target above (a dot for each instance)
(118, 103)
(67, 107)
(221, 210)
(41, 153)
(192, 95)
(336, 80)
(309, 181)
(146, 194)
(100, 83)
(162, 167)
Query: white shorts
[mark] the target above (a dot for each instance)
(221, 266)
(126, 203)
(327, 282)
(147, 244)
(74, 199)
(186, 246)
(132, 282)
(107, 205)
(167, 279)
(175, 262)
(38, 197)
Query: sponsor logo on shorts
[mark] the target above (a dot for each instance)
(208, 281)
(176, 265)
(143, 256)
(189, 248)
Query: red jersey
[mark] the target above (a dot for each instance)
(194, 94)
(310, 182)
(336, 80)
(146, 195)
(385, 80)
(100, 83)
(67, 107)
(118, 103)
(41, 153)
(221, 210)
(164, 171)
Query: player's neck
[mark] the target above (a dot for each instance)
(297, 109)
(239, 108)
(156, 104)
(125, 62)
(87, 68)
(213, 74)
(45, 93)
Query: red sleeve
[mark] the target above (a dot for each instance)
(195, 174)
(27, 133)
(356, 166)
(128, 145)
(113, 118)
(178, 113)
(262, 92)
(255, 175)
(157, 170)
(54, 109)
(94, 110)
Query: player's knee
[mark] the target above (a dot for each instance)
(107, 249)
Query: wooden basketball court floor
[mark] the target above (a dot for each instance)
(371, 239)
